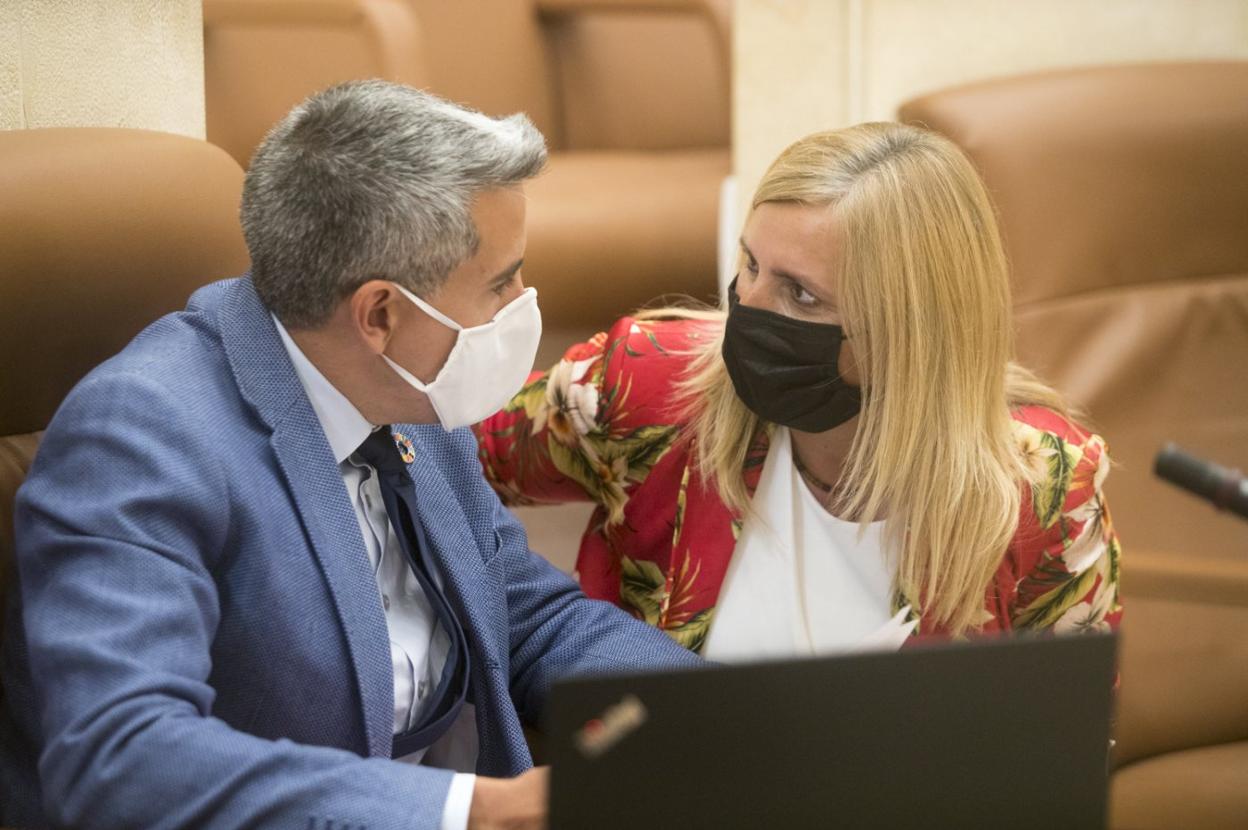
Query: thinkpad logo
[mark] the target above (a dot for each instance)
(617, 723)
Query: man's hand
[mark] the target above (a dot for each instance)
(520, 803)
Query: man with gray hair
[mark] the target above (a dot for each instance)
(261, 579)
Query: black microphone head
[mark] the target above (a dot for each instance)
(1187, 471)
(1227, 489)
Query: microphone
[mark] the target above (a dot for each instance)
(1227, 489)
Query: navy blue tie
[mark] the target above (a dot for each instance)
(399, 494)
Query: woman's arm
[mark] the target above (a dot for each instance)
(556, 407)
(593, 426)
(1068, 552)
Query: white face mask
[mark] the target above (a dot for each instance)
(487, 365)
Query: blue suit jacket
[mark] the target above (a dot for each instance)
(199, 641)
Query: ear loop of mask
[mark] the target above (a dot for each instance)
(408, 376)
(444, 320)
(441, 318)
(430, 310)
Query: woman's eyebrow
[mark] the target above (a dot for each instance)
(797, 278)
(805, 283)
(779, 272)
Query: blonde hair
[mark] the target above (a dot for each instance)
(924, 294)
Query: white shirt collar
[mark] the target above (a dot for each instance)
(344, 426)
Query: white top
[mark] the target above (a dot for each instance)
(801, 581)
(418, 645)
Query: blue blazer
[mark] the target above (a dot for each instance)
(197, 639)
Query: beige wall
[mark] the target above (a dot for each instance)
(805, 65)
(108, 63)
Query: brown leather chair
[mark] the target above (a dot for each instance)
(1183, 709)
(261, 57)
(632, 96)
(101, 232)
(1123, 196)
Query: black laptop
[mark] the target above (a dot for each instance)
(1008, 733)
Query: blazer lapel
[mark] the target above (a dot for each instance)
(454, 548)
(267, 380)
(475, 591)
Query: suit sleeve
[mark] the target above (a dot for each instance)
(557, 631)
(119, 527)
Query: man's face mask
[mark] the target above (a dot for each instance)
(487, 365)
(785, 370)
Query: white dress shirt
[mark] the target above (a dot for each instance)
(418, 645)
(801, 582)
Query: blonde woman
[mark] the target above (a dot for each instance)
(845, 455)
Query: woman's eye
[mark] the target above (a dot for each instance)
(801, 296)
(751, 266)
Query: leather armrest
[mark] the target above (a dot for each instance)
(1183, 654)
(1203, 787)
(1173, 576)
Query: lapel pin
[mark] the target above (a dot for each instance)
(406, 451)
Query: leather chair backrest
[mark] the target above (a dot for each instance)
(491, 56)
(654, 79)
(101, 232)
(592, 74)
(262, 57)
(1123, 195)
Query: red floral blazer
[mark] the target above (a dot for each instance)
(604, 425)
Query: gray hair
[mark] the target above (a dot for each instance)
(368, 180)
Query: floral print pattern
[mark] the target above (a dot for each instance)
(603, 426)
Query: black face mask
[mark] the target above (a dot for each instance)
(785, 370)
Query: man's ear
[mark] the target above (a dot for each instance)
(375, 309)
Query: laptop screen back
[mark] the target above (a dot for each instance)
(1001, 733)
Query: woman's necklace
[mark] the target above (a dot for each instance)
(811, 478)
